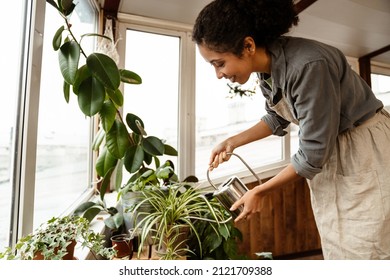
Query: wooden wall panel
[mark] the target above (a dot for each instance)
(285, 225)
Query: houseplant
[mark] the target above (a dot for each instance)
(219, 242)
(96, 85)
(56, 239)
(177, 208)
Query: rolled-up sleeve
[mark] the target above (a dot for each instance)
(315, 92)
(275, 122)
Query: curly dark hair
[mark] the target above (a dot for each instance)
(223, 24)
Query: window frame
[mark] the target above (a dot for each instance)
(187, 119)
(23, 163)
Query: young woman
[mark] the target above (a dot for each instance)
(344, 132)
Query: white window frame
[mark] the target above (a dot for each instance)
(25, 143)
(187, 118)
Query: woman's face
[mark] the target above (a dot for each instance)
(229, 66)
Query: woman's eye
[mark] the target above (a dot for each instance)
(219, 65)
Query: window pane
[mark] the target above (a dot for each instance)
(10, 56)
(218, 117)
(63, 131)
(381, 87)
(155, 101)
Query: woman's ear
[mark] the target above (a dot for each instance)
(249, 45)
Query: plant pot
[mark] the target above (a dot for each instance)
(68, 256)
(129, 201)
(176, 240)
(123, 245)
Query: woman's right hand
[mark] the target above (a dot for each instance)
(220, 153)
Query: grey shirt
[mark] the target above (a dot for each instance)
(325, 95)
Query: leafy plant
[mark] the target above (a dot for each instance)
(51, 240)
(218, 243)
(177, 208)
(96, 85)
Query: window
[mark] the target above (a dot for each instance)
(10, 51)
(182, 101)
(45, 163)
(155, 101)
(220, 115)
(381, 86)
(63, 150)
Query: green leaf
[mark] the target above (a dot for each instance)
(114, 222)
(84, 206)
(99, 137)
(92, 212)
(57, 39)
(107, 115)
(164, 172)
(91, 96)
(213, 241)
(135, 123)
(118, 175)
(169, 150)
(104, 162)
(130, 77)
(82, 74)
(117, 139)
(148, 158)
(66, 89)
(223, 230)
(69, 10)
(230, 247)
(96, 35)
(65, 4)
(104, 69)
(116, 96)
(69, 56)
(154, 146)
(134, 158)
(106, 182)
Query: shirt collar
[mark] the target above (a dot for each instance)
(278, 62)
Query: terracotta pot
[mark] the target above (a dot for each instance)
(123, 245)
(68, 256)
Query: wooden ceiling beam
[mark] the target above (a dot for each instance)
(377, 52)
(365, 63)
(111, 7)
(302, 5)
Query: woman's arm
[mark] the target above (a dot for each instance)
(256, 132)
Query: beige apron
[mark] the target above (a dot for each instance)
(351, 196)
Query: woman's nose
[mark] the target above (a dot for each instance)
(219, 74)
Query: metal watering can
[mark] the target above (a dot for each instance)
(231, 190)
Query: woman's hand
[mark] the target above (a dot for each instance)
(253, 203)
(220, 153)
(253, 199)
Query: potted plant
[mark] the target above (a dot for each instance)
(218, 242)
(177, 208)
(120, 141)
(56, 239)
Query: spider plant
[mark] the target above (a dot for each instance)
(176, 209)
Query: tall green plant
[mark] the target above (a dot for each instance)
(96, 85)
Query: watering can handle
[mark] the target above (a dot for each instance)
(250, 169)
